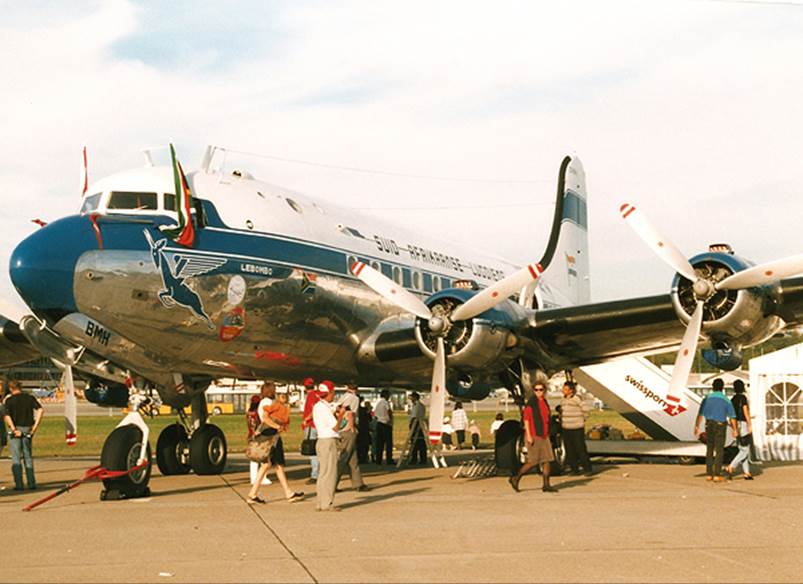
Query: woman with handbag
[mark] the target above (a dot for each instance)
(274, 415)
(252, 422)
(745, 425)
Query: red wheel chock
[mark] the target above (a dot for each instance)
(95, 472)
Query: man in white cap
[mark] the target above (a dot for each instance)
(327, 424)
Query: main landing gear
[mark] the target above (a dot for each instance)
(190, 444)
(509, 438)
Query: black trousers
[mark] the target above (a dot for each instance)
(384, 441)
(418, 454)
(363, 445)
(461, 437)
(574, 443)
(714, 447)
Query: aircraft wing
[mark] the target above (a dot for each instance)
(14, 347)
(582, 335)
(591, 333)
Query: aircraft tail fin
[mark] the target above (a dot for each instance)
(566, 259)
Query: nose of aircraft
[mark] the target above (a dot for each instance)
(43, 264)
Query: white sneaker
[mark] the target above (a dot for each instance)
(434, 461)
(443, 462)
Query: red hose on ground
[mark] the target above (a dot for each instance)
(95, 472)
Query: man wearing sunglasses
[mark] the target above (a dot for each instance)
(536, 435)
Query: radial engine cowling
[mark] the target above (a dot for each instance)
(732, 318)
(485, 343)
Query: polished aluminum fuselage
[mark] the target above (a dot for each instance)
(264, 292)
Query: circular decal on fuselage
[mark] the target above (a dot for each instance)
(236, 291)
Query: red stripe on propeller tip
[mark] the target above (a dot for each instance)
(535, 270)
(626, 210)
(357, 268)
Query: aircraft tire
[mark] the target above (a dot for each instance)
(507, 446)
(120, 452)
(172, 440)
(208, 450)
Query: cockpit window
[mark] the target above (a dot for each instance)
(170, 202)
(91, 203)
(131, 200)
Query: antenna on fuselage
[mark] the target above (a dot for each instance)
(207, 159)
(146, 152)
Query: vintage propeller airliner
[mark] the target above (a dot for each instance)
(169, 281)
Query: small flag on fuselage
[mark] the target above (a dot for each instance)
(183, 233)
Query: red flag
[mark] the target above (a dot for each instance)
(84, 176)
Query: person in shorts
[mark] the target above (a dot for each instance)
(536, 420)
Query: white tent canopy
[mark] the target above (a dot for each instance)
(776, 404)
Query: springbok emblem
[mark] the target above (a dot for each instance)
(176, 291)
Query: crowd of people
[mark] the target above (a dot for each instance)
(350, 431)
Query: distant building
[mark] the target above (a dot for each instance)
(38, 374)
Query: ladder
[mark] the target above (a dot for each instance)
(417, 427)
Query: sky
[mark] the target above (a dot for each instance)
(690, 109)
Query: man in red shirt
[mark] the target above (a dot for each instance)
(536, 420)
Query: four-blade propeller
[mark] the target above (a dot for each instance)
(703, 288)
(439, 324)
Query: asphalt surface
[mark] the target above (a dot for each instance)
(627, 523)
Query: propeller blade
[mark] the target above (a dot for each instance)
(70, 407)
(763, 273)
(499, 291)
(661, 246)
(391, 291)
(437, 395)
(685, 358)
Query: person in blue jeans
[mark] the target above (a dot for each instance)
(23, 416)
(717, 410)
(745, 424)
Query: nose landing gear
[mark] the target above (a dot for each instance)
(125, 449)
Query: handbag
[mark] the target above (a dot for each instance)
(746, 440)
(260, 447)
(308, 447)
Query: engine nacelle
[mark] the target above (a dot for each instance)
(110, 395)
(731, 318)
(468, 387)
(486, 342)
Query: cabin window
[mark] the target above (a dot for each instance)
(436, 283)
(91, 203)
(375, 265)
(170, 202)
(427, 283)
(417, 280)
(132, 200)
(350, 261)
(397, 275)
